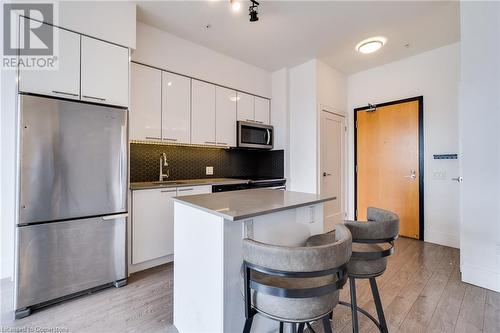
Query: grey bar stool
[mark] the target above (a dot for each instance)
(372, 243)
(295, 284)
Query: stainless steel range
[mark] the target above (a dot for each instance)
(71, 228)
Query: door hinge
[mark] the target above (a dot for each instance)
(356, 168)
(345, 128)
(356, 214)
(356, 124)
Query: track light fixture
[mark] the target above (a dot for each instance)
(253, 11)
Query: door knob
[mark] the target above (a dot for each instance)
(457, 179)
(413, 175)
(326, 174)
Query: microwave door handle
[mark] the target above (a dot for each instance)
(268, 136)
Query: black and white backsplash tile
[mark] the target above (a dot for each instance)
(190, 162)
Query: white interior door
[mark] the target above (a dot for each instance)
(332, 167)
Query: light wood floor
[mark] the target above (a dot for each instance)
(421, 292)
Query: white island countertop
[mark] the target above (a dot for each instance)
(240, 205)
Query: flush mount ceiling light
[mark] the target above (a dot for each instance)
(371, 45)
(235, 5)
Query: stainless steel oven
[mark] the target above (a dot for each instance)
(254, 135)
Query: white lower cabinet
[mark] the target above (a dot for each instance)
(183, 191)
(152, 224)
(153, 221)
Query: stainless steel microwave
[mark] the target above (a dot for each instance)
(254, 135)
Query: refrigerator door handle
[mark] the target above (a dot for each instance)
(114, 217)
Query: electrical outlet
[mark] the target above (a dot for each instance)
(209, 170)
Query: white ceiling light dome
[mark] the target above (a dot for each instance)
(371, 45)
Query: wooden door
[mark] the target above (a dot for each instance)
(332, 167)
(387, 156)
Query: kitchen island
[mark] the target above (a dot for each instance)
(208, 234)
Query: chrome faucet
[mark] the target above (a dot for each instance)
(163, 163)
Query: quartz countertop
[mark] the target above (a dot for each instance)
(188, 182)
(244, 204)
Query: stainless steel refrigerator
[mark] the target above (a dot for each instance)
(72, 200)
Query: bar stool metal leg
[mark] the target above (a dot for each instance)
(378, 305)
(301, 328)
(248, 324)
(327, 326)
(281, 327)
(354, 310)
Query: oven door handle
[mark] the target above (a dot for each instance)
(268, 136)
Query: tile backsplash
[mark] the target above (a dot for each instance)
(190, 162)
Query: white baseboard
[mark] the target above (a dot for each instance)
(481, 277)
(442, 238)
(150, 264)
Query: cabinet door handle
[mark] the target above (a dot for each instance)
(259, 122)
(96, 98)
(64, 93)
(222, 143)
(185, 189)
(168, 139)
(211, 142)
(152, 138)
(114, 217)
(168, 191)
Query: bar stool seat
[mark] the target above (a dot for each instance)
(363, 268)
(372, 243)
(294, 309)
(295, 285)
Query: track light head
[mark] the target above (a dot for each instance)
(253, 11)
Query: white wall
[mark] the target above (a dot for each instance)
(303, 127)
(279, 114)
(480, 143)
(433, 74)
(312, 85)
(332, 87)
(112, 21)
(166, 51)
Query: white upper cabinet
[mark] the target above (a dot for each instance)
(176, 108)
(225, 127)
(104, 72)
(64, 81)
(203, 113)
(245, 106)
(145, 103)
(262, 110)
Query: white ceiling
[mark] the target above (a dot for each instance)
(291, 32)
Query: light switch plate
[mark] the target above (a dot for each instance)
(209, 170)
